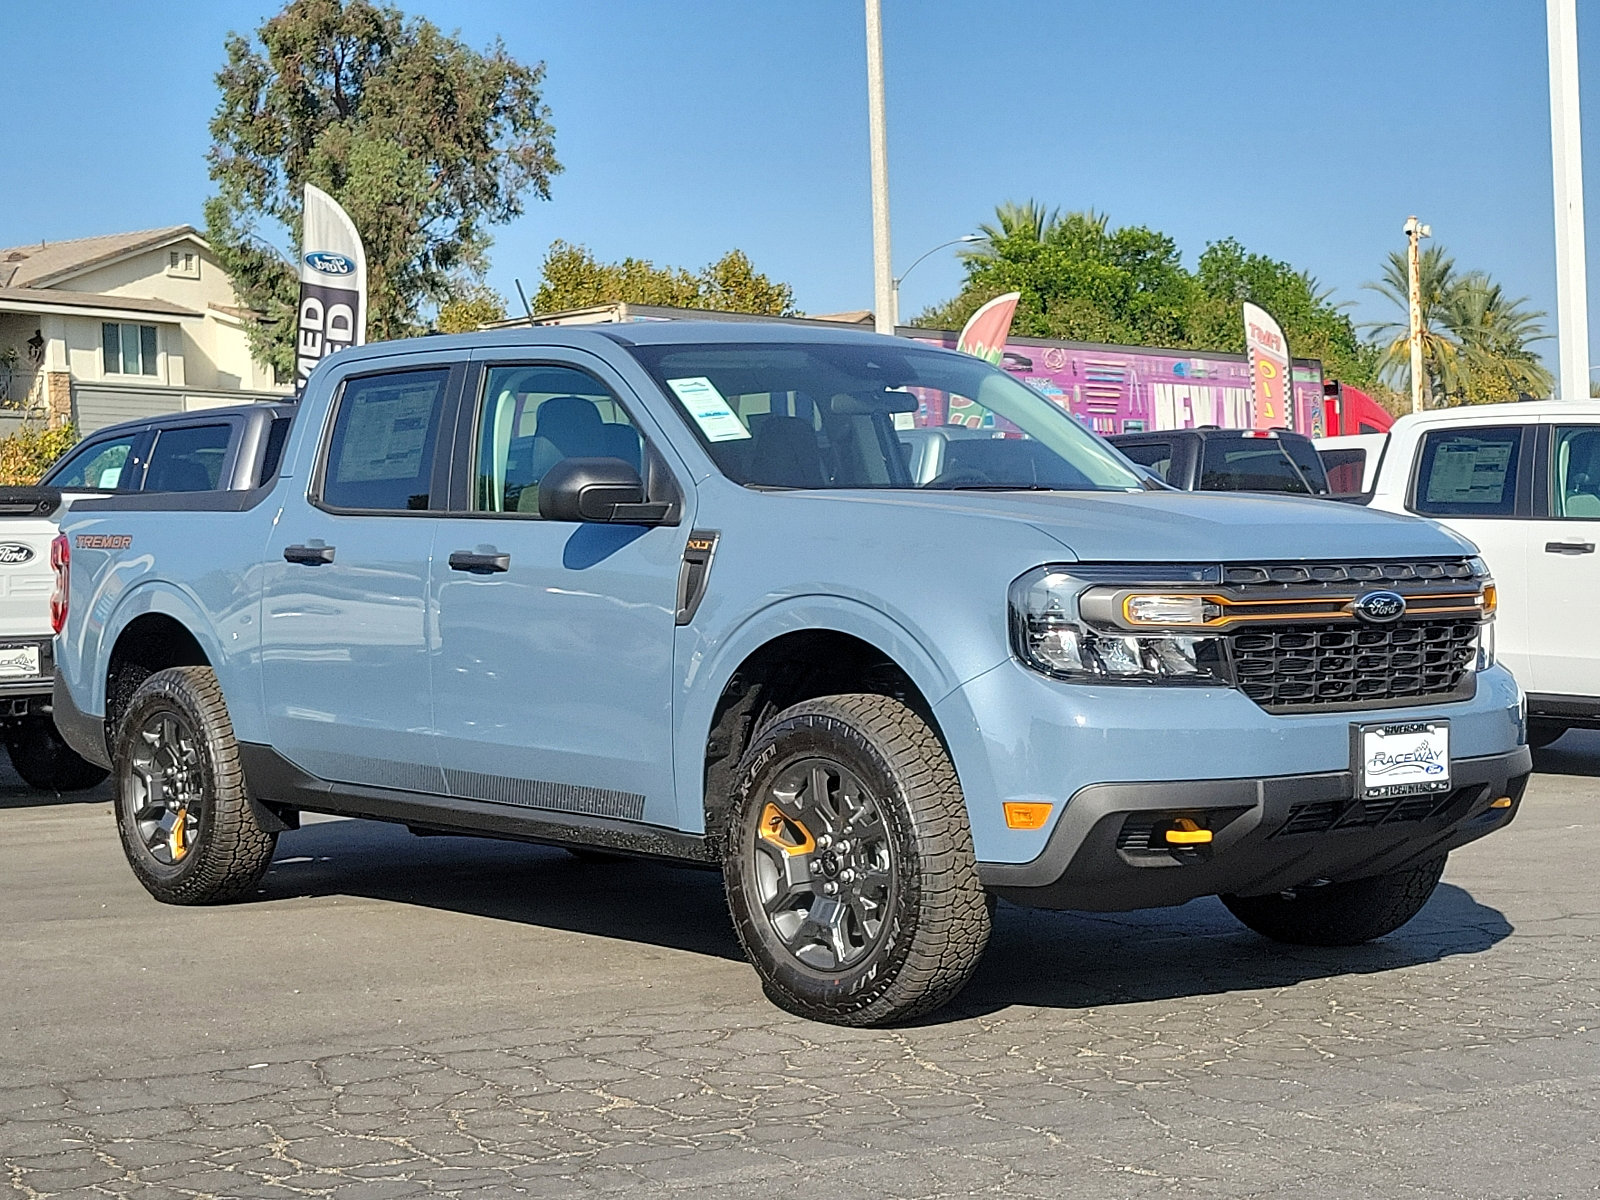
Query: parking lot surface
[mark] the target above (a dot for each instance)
(398, 1016)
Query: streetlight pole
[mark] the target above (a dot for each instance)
(1572, 298)
(894, 307)
(1415, 232)
(882, 272)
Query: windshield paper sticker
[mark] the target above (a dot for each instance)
(709, 410)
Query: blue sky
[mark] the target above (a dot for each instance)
(1308, 130)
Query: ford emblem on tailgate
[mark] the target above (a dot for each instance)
(1380, 607)
(12, 553)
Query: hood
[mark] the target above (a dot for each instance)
(1171, 526)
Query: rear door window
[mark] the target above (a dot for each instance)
(380, 451)
(1469, 472)
(1157, 456)
(188, 458)
(110, 463)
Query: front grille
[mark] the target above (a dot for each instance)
(1301, 666)
(1323, 815)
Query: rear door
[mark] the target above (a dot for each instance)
(345, 663)
(1564, 563)
(1478, 480)
(552, 668)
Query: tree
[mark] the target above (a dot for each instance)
(425, 142)
(1475, 338)
(31, 451)
(573, 278)
(473, 309)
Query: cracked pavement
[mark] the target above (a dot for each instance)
(397, 1016)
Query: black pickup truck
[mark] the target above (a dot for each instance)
(1209, 459)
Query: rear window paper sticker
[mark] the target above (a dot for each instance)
(709, 410)
(1467, 472)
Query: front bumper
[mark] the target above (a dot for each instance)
(1269, 834)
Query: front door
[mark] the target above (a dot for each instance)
(345, 667)
(1478, 481)
(1564, 567)
(552, 672)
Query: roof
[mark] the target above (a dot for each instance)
(56, 298)
(1526, 410)
(37, 265)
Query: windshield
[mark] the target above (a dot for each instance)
(829, 415)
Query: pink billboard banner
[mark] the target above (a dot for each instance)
(1126, 389)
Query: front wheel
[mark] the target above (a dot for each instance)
(187, 825)
(849, 864)
(45, 762)
(1341, 914)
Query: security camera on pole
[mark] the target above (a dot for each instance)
(1415, 232)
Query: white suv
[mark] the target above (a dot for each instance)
(1522, 481)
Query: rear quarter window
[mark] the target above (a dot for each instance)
(1157, 456)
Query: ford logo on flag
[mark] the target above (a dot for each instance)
(1380, 607)
(12, 553)
(326, 262)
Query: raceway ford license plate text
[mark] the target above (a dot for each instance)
(19, 662)
(1405, 759)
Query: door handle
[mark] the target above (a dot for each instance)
(479, 564)
(1569, 547)
(310, 556)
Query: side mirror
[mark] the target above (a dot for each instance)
(605, 490)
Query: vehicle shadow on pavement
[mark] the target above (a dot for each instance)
(675, 907)
(1088, 960)
(1576, 752)
(16, 794)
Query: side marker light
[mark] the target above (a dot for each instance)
(1020, 815)
(1503, 802)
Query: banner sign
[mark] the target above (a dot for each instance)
(1268, 352)
(333, 285)
(985, 334)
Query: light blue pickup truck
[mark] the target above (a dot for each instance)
(672, 590)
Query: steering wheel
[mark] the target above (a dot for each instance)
(959, 477)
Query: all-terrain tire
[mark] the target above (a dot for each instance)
(46, 762)
(227, 851)
(932, 918)
(1543, 733)
(1341, 914)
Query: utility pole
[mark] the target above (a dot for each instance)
(1572, 288)
(1415, 232)
(883, 314)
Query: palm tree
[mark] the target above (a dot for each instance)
(1441, 361)
(1029, 222)
(1494, 332)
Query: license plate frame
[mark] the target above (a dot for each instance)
(1415, 763)
(20, 661)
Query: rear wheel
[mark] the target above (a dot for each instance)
(849, 864)
(47, 763)
(187, 825)
(1341, 914)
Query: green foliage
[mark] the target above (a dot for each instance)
(424, 141)
(31, 451)
(1475, 338)
(475, 308)
(573, 278)
(1084, 281)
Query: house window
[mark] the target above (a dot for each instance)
(128, 349)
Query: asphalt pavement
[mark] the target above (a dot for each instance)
(397, 1016)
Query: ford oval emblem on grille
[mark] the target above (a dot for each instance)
(1380, 607)
(12, 553)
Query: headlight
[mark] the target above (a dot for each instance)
(1050, 635)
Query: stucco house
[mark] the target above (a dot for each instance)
(103, 329)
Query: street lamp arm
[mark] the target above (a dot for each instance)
(966, 237)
